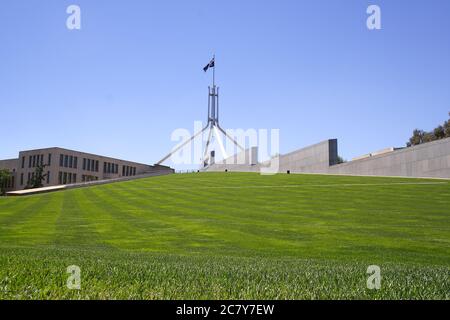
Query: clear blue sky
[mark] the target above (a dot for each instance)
(133, 73)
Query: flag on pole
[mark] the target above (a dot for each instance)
(209, 65)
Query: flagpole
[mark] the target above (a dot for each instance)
(214, 71)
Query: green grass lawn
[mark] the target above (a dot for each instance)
(230, 236)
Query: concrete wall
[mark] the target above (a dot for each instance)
(428, 160)
(245, 161)
(312, 159)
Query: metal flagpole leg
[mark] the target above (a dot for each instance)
(219, 140)
(207, 144)
(182, 145)
(229, 137)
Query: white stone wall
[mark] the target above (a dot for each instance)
(429, 160)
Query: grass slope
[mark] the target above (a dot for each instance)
(230, 235)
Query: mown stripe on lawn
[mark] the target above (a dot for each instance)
(116, 227)
(12, 205)
(14, 226)
(73, 228)
(324, 204)
(157, 233)
(200, 225)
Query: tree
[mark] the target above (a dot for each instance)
(447, 127)
(420, 136)
(439, 133)
(428, 137)
(417, 138)
(38, 177)
(340, 160)
(5, 175)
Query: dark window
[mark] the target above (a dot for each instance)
(61, 160)
(29, 162)
(84, 163)
(88, 164)
(21, 179)
(104, 167)
(48, 177)
(29, 178)
(60, 177)
(34, 161)
(64, 177)
(49, 159)
(109, 167)
(70, 161)
(123, 170)
(70, 178)
(117, 168)
(42, 159)
(96, 166)
(134, 171)
(66, 161)
(75, 162)
(23, 162)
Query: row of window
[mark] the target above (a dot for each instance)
(67, 177)
(128, 171)
(93, 165)
(35, 160)
(109, 167)
(67, 161)
(90, 165)
(31, 177)
(9, 184)
(87, 178)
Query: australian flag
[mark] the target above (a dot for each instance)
(209, 65)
